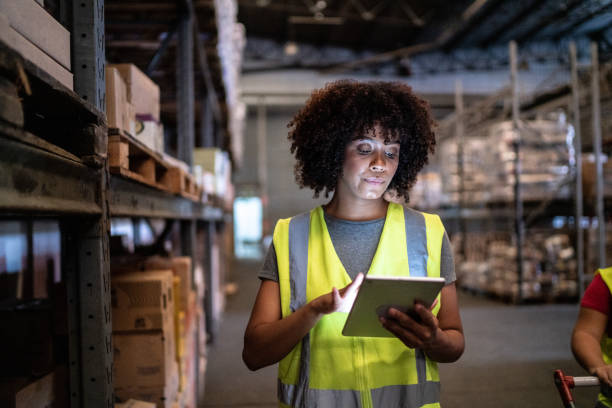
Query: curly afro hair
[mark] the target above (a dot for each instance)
(344, 110)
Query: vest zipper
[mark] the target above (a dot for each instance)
(362, 380)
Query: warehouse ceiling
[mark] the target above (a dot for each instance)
(349, 35)
(374, 37)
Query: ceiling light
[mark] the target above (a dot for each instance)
(262, 3)
(320, 5)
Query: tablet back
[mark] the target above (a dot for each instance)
(377, 294)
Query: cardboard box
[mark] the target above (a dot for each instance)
(142, 92)
(34, 54)
(143, 359)
(132, 403)
(143, 301)
(181, 267)
(39, 27)
(163, 396)
(151, 134)
(215, 161)
(25, 393)
(117, 109)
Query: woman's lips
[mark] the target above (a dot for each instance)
(374, 180)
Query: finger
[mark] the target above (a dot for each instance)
(356, 283)
(407, 337)
(352, 287)
(427, 317)
(403, 319)
(336, 297)
(435, 302)
(359, 278)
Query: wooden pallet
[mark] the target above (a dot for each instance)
(184, 184)
(132, 159)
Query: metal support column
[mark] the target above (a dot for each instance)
(207, 138)
(262, 147)
(185, 89)
(211, 283)
(599, 203)
(88, 53)
(518, 199)
(188, 240)
(578, 172)
(459, 138)
(87, 269)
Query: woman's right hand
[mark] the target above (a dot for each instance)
(604, 373)
(338, 300)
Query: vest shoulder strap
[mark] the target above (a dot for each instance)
(606, 275)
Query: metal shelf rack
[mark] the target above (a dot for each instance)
(53, 163)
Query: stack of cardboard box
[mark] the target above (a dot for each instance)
(185, 319)
(28, 28)
(132, 104)
(145, 365)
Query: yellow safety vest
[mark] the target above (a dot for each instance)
(327, 369)
(606, 342)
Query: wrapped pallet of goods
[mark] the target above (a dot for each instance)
(28, 28)
(145, 366)
(472, 179)
(549, 266)
(546, 152)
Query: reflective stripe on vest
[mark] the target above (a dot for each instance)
(327, 369)
(606, 341)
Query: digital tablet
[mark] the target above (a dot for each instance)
(378, 293)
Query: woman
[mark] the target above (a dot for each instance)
(359, 141)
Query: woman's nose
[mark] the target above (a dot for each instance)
(378, 163)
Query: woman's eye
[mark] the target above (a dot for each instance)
(390, 155)
(364, 149)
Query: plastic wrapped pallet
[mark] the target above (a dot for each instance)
(546, 153)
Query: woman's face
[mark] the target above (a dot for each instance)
(370, 162)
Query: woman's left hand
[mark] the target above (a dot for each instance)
(421, 334)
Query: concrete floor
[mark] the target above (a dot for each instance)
(511, 352)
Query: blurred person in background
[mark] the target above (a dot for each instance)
(592, 336)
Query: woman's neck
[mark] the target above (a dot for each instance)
(360, 210)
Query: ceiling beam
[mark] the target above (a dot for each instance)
(161, 50)
(511, 23)
(536, 28)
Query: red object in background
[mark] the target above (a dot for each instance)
(565, 383)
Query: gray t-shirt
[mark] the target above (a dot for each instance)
(355, 243)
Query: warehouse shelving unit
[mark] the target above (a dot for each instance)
(520, 212)
(53, 164)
